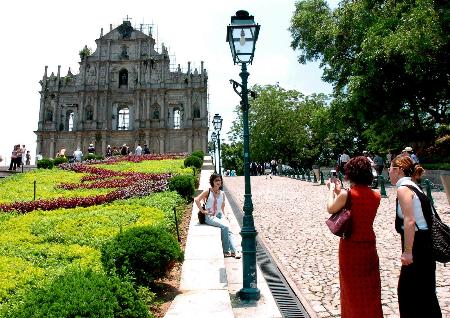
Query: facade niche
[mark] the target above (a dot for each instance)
(196, 112)
(155, 113)
(123, 78)
(48, 114)
(89, 113)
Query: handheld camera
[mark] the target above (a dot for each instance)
(333, 175)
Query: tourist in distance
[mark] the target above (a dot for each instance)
(214, 214)
(359, 273)
(417, 281)
(78, 155)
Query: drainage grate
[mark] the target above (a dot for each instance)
(287, 302)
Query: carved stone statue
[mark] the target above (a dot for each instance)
(124, 54)
(156, 113)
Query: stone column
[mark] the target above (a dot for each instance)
(190, 143)
(147, 138)
(204, 137)
(38, 144)
(161, 144)
(103, 143)
(52, 147)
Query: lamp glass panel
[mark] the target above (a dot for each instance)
(243, 42)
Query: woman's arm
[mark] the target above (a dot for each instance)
(405, 198)
(199, 198)
(223, 203)
(335, 204)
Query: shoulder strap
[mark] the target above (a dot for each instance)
(207, 197)
(348, 202)
(425, 203)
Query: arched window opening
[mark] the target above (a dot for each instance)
(123, 78)
(89, 113)
(176, 118)
(124, 119)
(70, 121)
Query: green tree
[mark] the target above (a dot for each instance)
(387, 60)
(233, 157)
(288, 126)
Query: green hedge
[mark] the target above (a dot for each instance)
(437, 166)
(144, 253)
(60, 160)
(193, 161)
(45, 164)
(199, 154)
(80, 293)
(184, 185)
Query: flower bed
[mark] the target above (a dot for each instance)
(125, 184)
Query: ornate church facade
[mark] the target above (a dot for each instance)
(124, 93)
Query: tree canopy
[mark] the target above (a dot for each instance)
(388, 63)
(287, 125)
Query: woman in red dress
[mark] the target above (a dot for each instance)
(359, 272)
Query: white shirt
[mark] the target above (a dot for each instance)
(417, 206)
(78, 154)
(138, 150)
(210, 202)
(344, 157)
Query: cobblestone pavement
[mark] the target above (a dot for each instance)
(290, 216)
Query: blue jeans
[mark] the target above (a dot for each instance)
(227, 236)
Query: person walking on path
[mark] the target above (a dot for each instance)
(359, 273)
(379, 164)
(343, 159)
(417, 281)
(214, 199)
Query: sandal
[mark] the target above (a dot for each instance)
(236, 255)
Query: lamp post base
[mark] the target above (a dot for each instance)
(249, 294)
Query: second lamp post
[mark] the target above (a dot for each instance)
(214, 139)
(217, 123)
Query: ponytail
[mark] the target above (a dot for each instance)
(417, 172)
(410, 169)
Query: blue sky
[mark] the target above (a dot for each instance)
(49, 32)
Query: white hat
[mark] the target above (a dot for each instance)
(408, 149)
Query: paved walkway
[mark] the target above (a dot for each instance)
(209, 282)
(290, 217)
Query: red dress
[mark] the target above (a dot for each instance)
(359, 272)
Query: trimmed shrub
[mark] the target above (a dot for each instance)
(45, 164)
(90, 156)
(184, 185)
(145, 253)
(193, 161)
(199, 154)
(59, 160)
(81, 294)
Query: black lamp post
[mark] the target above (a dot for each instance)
(242, 35)
(217, 122)
(214, 138)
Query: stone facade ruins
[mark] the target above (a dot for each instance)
(125, 93)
